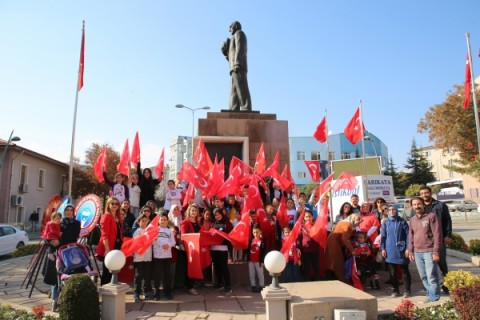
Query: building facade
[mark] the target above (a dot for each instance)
(28, 181)
(339, 148)
(301, 149)
(439, 159)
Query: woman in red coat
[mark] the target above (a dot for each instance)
(111, 234)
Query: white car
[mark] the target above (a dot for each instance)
(11, 238)
(461, 205)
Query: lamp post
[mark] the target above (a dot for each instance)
(275, 263)
(10, 139)
(181, 106)
(114, 260)
(369, 138)
(2, 159)
(113, 293)
(275, 296)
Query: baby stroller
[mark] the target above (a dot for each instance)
(73, 258)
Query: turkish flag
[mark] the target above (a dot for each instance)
(282, 216)
(191, 242)
(355, 128)
(190, 174)
(260, 162)
(321, 133)
(202, 159)
(314, 168)
(292, 237)
(240, 235)
(100, 164)
(231, 184)
(324, 186)
(215, 178)
(318, 231)
(212, 237)
(190, 194)
(159, 167)
(253, 200)
(141, 243)
(273, 167)
(345, 181)
(468, 82)
(81, 65)
(237, 164)
(135, 155)
(284, 183)
(357, 283)
(123, 165)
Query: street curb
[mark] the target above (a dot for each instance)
(464, 256)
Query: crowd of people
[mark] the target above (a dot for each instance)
(368, 236)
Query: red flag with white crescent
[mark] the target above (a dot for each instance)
(159, 167)
(355, 128)
(123, 165)
(191, 242)
(321, 132)
(240, 235)
(313, 167)
(100, 164)
(260, 162)
(135, 155)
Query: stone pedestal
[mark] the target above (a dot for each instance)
(276, 303)
(247, 130)
(113, 301)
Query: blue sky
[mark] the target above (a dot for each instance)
(144, 57)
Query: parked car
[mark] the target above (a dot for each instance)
(461, 205)
(11, 238)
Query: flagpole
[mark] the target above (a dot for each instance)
(472, 80)
(364, 179)
(329, 172)
(72, 148)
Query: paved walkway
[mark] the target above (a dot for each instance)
(209, 304)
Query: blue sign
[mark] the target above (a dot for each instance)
(88, 212)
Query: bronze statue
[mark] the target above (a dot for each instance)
(235, 51)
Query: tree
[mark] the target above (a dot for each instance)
(413, 190)
(420, 168)
(391, 170)
(84, 180)
(452, 128)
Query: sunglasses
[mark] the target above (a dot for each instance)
(114, 203)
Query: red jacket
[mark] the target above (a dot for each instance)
(108, 227)
(186, 226)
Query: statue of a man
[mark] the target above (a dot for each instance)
(235, 51)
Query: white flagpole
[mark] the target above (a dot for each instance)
(72, 148)
(364, 179)
(472, 80)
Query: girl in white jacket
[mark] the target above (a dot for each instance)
(162, 258)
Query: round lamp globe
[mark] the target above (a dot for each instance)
(115, 260)
(275, 262)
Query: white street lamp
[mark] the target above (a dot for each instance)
(275, 263)
(114, 260)
(4, 154)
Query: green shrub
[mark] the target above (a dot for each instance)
(8, 313)
(459, 279)
(458, 243)
(27, 250)
(474, 246)
(446, 311)
(79, 299)
(467, 302)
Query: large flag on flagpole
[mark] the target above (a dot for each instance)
(355, 128)
(135, 155)
(81, 65)
(321, 133)
(468, 81)
(79, 87)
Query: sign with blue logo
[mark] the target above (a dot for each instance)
(88, 212)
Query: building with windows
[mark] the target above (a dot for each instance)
(180, 152)
(301, 149)
(28, 181)
(339, 148)
(439, 159)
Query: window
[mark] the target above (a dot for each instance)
(345, 155)
(315, 155)
(41, 178)
(20, 215)
(300, 155)
(428, 153)
(8, 230)
(301, 175)
(331, 155)
(23, 174)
